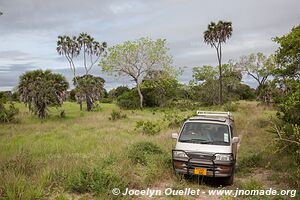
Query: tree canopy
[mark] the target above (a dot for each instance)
(91, 50)
(40, 89)
(136, 59)
(90, 88)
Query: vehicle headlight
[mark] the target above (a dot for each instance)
(223, 157)
(179, 154)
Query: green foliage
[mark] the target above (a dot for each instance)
(128, 100)
(115, 115)
(72, 95)
(4, 96)
(245, 92)
(137, 59)
(205, 86)
(41, 89)
(148, 127)
(257, 66)
(90, 88)
(106, 100)
(175, 119)
(286, 73)
(159, 89)
(205, 73)
(116, 92)
(72, 46)
(7, 114)
(139, 152)
(287, 55)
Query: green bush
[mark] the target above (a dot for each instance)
(230, 106)
(94, 180)
(175, 120)
(139, 152)
(128, 100)
(8, 114)
(106, 100)
(115, 115)
(148, 127)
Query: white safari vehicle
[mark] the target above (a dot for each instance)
(207, 145)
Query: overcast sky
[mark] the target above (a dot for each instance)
(29, 30)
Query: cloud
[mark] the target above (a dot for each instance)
(29, 29)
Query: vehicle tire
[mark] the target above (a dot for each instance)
(229, 180)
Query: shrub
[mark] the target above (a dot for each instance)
(115, 115)
(106, 100)
(128, 100)
(148, 127)
(175, 120)
(8, 114)
(138, 152)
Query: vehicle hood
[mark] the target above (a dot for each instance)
(207, 148)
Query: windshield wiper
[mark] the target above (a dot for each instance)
(201, 141)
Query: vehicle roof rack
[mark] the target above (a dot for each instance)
(214, 114)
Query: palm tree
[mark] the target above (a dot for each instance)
(85, 42)
(68, 47)
(215, 35)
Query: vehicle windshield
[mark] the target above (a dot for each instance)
(205, 133)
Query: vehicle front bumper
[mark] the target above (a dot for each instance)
(198, 160)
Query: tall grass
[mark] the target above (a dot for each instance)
(86, 154)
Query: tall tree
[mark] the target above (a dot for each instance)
(136, 59)
(288, 56)
(215, 35)
(287, 77)
(91, 50)
(40, 89)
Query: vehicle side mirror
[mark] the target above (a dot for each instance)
(235, 140)
(174, 135)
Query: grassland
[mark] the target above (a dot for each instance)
(84, 155)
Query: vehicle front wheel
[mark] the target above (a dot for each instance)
(229, 180)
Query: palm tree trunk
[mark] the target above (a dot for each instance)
(89, 103)
(219, 54)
